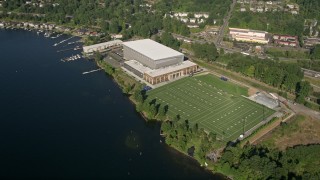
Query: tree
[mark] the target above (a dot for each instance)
(315, 52)
(104, 26)
(303, 90)
(221, 52)
(162, 112)
(212, 137)
(168, 40)
(114, 27)
(176, 118)
(98, 56)
(195, 128)
(152, 110)
(250, 71)
(138, 96)
(205, 51)
(166, 127)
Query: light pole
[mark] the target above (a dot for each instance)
(244, 125)
(263, 113)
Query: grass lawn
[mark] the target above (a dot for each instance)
(217, 106)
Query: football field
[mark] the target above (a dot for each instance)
(216, 105)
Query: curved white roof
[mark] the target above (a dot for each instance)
(152, 49)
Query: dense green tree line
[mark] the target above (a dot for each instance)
(218, 6)
(179, 133)
(310, 64)
(217, 9)
(205, 51)
(255, 162)
(111, 16)
(151, 109)
(182, 135)
(309, 8)
(315, 52)
(278, 52)
(273, 22)
(107, 68)
(168, 40)
(287, 77)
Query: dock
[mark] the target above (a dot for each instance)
(56, 44)
(62, 50)
(91, 71)
(75, 48)
(56, 36)
(72, 58)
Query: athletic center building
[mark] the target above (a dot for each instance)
(154, 62)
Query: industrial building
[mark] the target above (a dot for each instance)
(247, 35)
(101, 47)
(154, 62)
(151, 54)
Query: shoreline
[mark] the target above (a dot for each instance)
(39, 26)
(142, 114)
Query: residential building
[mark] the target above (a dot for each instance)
(311, 42)
(286, 40)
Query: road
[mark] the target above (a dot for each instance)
(225, 24)
(288, 48)
(315, 87)
(309, 71)
(301, 109)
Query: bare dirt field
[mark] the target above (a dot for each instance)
(299, 130)
(252, 91)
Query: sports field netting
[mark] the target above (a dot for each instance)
(216, 105)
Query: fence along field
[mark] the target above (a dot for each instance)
(217, 106)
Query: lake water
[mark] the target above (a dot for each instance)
(57, 123)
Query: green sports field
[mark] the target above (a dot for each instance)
(217, 106)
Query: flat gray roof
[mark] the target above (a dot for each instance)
(101, 45)
(247, 30)
(152, 49)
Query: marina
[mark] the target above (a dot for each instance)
(56, 44)
(74, 48)
(72, 58)
(58, 35)
(69, 43)
(46, 34)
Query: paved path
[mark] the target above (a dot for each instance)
(225, 24)
(300, 109)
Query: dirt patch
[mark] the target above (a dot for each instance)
(252, 91)
(300, 130)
